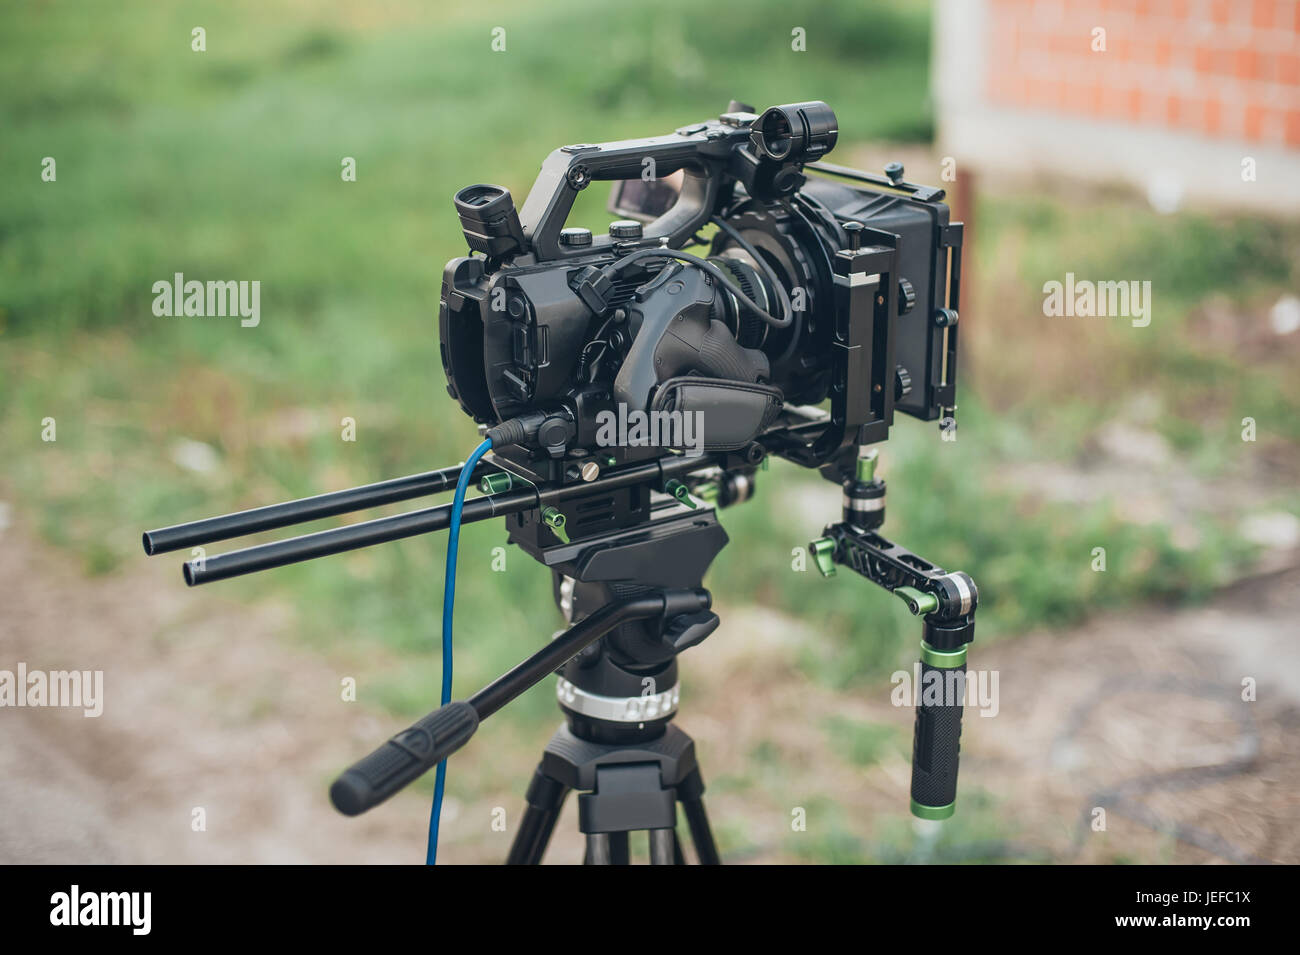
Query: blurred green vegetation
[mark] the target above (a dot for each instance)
(226, 164)
(979, 834)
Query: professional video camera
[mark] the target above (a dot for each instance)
(810, 290)
(626, 389)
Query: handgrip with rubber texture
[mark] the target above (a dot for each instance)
(937, 737)
(404, 758)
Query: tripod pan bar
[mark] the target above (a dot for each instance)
(417, 749)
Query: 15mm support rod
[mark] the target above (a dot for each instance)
(384, 529)
(274, 516)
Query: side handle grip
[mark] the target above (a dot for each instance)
(936, 742)
(404, 758)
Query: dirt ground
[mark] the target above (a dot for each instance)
(210, 705)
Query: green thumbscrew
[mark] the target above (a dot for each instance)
(918, 601)
(495, 483)
(680, 491)
(553, 519)
(823, 551)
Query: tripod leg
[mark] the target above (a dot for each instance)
(690, 793)
(678, 857)
(598, 849)
(661, 846)
(545, 798)
(619, 853)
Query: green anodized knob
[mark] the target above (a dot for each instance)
(680, 491)
(495, 483)
(823, 551)
(553, 519)
(918, 601)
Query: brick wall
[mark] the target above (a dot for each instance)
(1219, 68)
(1204, 82)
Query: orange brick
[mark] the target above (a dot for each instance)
(1191, 114)
(1133, 110)
(1047, 96)
(1264, 14)
(1077, 98)
(1213, 120)
(1001, 88)
(1114, 102)
(1247, 63)
(1054, 94)
(1067, 44)
(1171, 111)
(1254, 122)
(1220, 11)
(1293, 127)
(1022, 89)
(1288, 69)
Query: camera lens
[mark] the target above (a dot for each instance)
(798, 132)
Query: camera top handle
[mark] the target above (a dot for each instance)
(765, 153)
(701, 156)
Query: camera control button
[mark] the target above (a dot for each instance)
(575, 237)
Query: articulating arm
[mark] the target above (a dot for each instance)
(946, 603)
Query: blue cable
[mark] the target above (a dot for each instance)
(448, 604)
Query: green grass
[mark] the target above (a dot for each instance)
(1195, 261)
(863, 744)
(225, 164)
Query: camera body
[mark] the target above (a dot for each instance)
(812, 293)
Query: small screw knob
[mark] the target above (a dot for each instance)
(894, 171)
(625, 229)
(854, 232)
(902, 382)
(906, 297)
